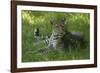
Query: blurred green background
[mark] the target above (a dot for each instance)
(77, 22)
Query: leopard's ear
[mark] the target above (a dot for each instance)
(51, 22)
(63, 20)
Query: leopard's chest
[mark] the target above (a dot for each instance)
(55, 41)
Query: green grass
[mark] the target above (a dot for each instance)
(29, 55)
(54, 56)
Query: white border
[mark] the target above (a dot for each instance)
(53, 63)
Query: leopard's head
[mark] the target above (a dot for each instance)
(58, 27)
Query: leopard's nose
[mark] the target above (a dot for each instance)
(62, 33)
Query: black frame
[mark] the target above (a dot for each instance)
(14, 35)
